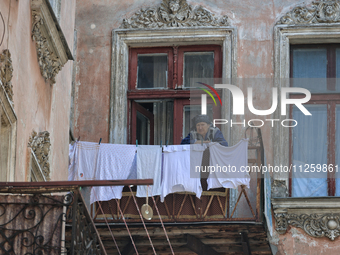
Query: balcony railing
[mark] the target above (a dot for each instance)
(34, 222)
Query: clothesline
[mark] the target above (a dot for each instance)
(100, 140)
(173, 168)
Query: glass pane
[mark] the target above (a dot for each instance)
(152, 71)
(199, 65)
(189, 112)
(163, 111)
(55, 4)
(309, 139)
(143, 129)
(337, 152)
(337, 89)
(310, 69)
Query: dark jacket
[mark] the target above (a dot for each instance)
(214, 135)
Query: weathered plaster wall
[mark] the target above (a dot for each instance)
(296, 242)
(38, 105)
(95, 21)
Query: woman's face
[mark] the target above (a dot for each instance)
(202, 128)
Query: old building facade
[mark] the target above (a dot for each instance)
(36, 75)
(130, 81)
(261, 44)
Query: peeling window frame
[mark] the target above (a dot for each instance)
(123, 39)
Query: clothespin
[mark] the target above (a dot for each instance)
(78, 139)
(161, 143)
(136, 143)
(100, 140)
(167, 143)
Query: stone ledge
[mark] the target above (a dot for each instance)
(317, 216)
(52, 49)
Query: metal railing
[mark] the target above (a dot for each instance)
(32, 221)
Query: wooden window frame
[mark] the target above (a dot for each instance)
(329, 99)
(173, 90)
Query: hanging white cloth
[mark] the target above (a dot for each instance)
(83, 161)
(179, 161)
(149, 166)
(115, 162)
(228, 165)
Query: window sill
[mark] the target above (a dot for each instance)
(317, 216)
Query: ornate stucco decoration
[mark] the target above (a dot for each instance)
(52, 49)
(316, 225)
(318, 217)
(174, 13)
(6, 73)
(40, 145)
(320, 12)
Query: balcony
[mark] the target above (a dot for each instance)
(223, 221)
(214, 205)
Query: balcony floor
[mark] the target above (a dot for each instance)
(204, 238)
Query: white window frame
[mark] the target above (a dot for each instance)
(122, 39)
(284, 36)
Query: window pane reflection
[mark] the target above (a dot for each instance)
(198, 65)
(152, 71)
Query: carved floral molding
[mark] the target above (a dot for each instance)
(6, 73)
(52, 49)
(316, 225)
(320, 12)
(318, 217)
(41, 144)
(174, 13)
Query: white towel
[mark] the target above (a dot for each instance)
(83, 156)
(115, 162)
(149, 166)
(179, 161)
(228, 163)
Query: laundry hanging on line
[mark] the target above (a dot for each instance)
(174, 170)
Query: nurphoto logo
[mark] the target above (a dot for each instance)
(239, 102)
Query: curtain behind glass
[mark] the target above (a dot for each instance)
(310, 69)
(309, 139)
(198, 65)
(337, 150)
(163, 111)
(143, 129)
(152, 71)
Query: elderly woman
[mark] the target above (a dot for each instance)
(203, 130)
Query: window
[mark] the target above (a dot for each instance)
(56, 4)
(160, 80)
(314, 140)
(40, 146)
(36, 174)
(7, 136)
